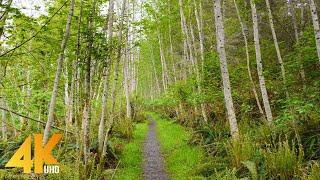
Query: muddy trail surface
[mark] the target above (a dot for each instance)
(153, 166)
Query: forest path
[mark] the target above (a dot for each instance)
(153, 164)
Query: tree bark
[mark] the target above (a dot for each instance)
(263, 88)
(276, 44)
(171, 48)
(58, 74)
(296, 35)
(4, 17)
(155, 71)
(116, 76)
(201, 42)
(186, 38)
(293, 19)
(67, 98)
(87, 94)
(315, 21)
(243, 31)
(77, 72)
(4, 121)
(163, 65)
(127, 87)
(220, 36)
(109, 35)
(127, 74)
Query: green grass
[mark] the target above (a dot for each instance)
(181, 159)
(131, 159)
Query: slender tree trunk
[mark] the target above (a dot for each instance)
(171, 51)
(276, 44)
(186, 57)
(201, 42)
(199, 20)
(116, 76)
(137, 71)
(296, 35)
(155, 71)
(220, 36)
(315, 21)
(184, 64)
(29, 88)
(58, 74)
(293, 19)
(67, 98)
(105, 78)
(163, 64)
(197, 72)
(77, 72)
(72, 92)
(188, 48)
(243, 30)
(87, 94)
(127, 74)
(184, 28)
(262, 83)
(127, 87)
(172, 59)
(3, 17)
(4, 121)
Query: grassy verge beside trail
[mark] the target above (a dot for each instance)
(131, 159)
(181, 159)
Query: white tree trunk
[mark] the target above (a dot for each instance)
(4, 120)
(296, 35)
(220, 36)
(201, 42)
(4, 17)
(86, 117)
(67, 98)
(127, 75)
(60, 60)
(77, 71)
(155, 71)
(163, 65)
(263, 88)
(109, 35)
(315, 21)
(184, 28)
(293, 19)
(127, 87)
(116, 76)
(276, 44)
(243, 30)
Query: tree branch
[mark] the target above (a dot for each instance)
(32, 119)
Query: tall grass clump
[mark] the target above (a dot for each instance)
(124, 128)
(243, 150)
(283, 161)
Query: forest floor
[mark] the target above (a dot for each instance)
(141, 157)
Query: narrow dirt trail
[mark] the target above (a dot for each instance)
(153, 165)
